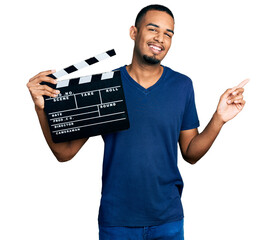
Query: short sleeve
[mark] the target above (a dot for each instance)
(190, 118)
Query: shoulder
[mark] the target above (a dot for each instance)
(123, 71)
(178, 78)
(122, 68)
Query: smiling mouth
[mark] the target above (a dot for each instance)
(155, 49)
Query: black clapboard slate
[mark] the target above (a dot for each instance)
(86, 106)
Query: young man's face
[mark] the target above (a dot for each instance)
(154, 36)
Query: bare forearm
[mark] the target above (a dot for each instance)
(62, 151)
(201, 143)
(193, 145)
(57, 149)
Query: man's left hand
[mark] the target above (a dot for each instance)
(231, 102)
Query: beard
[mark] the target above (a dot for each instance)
(151, 60)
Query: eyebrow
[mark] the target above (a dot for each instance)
(154, 25)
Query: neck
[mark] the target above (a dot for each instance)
(143, 73)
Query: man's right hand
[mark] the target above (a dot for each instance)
(63, 151)
(37, 90)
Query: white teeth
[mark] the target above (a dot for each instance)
(156, 48)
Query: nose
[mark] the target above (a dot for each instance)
(159, 37)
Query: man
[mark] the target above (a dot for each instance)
(142, 187)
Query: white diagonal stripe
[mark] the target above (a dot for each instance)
(60, 73)
(102, 56)
(85, 79)
(81, 64)
(63, 83)
(107, 75)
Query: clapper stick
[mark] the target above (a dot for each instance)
(86, 106)
(83, 64)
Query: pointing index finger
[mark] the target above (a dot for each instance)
(243, 83)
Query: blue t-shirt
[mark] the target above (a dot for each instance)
(142, 185)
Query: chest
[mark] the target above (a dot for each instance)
(158, 109)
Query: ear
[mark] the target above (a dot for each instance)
(133, 32)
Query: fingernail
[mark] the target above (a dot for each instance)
(53, 71)
(229, 101)
(57, 91)
(234, 93)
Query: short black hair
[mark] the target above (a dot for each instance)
(157, 7)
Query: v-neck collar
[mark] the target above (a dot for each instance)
(146, 91)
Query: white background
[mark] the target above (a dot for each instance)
(229, 194)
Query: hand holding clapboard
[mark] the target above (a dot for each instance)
(86, 106)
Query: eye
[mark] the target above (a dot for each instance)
(152, 29)
(168, 35)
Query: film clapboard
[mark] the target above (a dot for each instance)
(86, 106)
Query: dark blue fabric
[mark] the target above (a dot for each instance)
(142, 185)
(167, 231)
